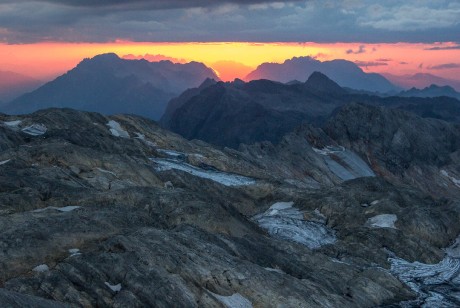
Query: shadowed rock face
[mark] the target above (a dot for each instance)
(90, 216)
(401, 146)
(232, 113)
(228, 114)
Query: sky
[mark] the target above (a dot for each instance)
(44, 38)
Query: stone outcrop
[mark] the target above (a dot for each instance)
(100, 211)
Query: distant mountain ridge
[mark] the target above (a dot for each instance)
(345, 73)
(431, 91)
(232, 113)
(229, 114)
(13, 84)
(109, 85)
(422, 80)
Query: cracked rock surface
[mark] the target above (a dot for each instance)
(88, 218)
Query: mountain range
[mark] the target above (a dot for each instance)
(109, 84)
(344, 73)
(231, 113)
(431, 91)
(422, 80)
(228, 114)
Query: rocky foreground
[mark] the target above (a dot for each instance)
(114, 211)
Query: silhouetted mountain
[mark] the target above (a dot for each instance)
(177, 102)
(231, 113)
(321, 83)
(422, 80)
(110, 85)
(431, 91)
(236, 112)
(13, 85)
(345, 73)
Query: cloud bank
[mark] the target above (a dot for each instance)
(24, 21)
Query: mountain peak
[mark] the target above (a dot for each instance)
(345, 73)
(435, 87)
(102, 59)
(106, 82)
(107, 56)
(238, 82)
(305, 59)
(431, 91)
(207, 83)
(320, 82)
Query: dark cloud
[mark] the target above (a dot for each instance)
(370, 63)
(25, 21)
(361, 49)
(411, 15)
(445, 66)
(383, 60)
(151, 4)
(403, 63)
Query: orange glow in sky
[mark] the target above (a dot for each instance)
(47, 60)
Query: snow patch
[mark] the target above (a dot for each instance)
(114, 288)
(139, 136)
(282, 205)
(276, 270)
(335, 260)
(434, 284)
(172, 153)
(382, 221)
(197, 155)
(344, 163)
(424, 280)
(117, 130)
(275, 208)
(13, 124)
(35, 129)
(454, 250)
(41, 268)
(284, 221)
(60, 209)
(106, 171)
(227, 179)
(453, 179)
(329, 149)
(147, 142)
(5, 162)
(74, 252)
(234, 301)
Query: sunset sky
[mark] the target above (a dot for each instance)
(44, 38)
